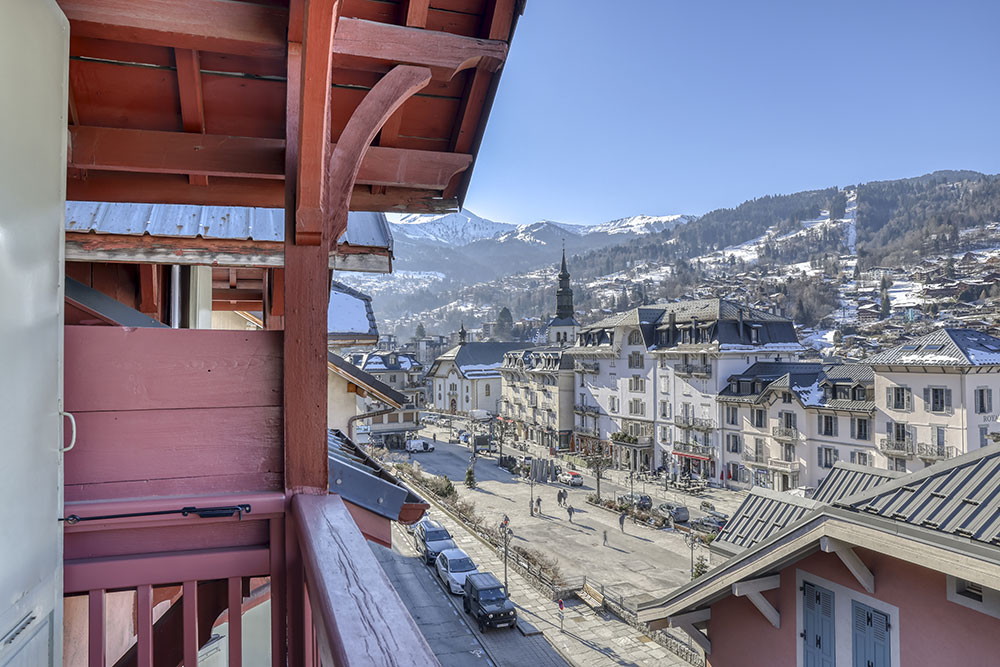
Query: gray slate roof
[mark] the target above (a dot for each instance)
(945, 347)
(381, 390)
(478, 359)
(211, 222)
(761, 514)
(848, 479)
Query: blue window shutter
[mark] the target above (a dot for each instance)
(817, 625)
(859, 634)
(880, 640)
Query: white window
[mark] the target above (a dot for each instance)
(732, 415)
(937, 399)
(860, 428)
(486, 391)
(635, 360)
(827, 456)
(983, 432)
(637, 407)
(637, 383)
(828, 425)
(759, 418)
(733, 443)
(897, 463)
(861, 458)
(899, 398)
(635, 337)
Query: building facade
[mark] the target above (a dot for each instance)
(398, 370)
(467, 377)
(648, 379)
(537, 395)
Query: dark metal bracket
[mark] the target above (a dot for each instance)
(202, 512)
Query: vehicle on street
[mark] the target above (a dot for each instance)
(419, 445)
(719, 517)
(706, 524)
(464, 437)
(487, 602)
(411, 528)
(431, 538)
(571, 477)
(642, 502)
(524, 460)
(453, 566)
(679, 513)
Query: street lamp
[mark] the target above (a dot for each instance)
(507, 534)
(691, 539)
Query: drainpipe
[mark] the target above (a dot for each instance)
(175, 296)
(365, 415)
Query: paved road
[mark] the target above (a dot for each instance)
(639, 562)
(442, 621)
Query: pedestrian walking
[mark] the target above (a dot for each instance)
(538, 504)
(605, 537)
(569, 510)
(621, 521)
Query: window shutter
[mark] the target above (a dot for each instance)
(854, 430)
(888, 397)
(859, 634)
(854, 456)
(927, 398)
(794, 418)
(819, 457)
(947, 399)
(880, 635)
(909, 400)
(819, 423)
(989, 400)
(836, 454)
(836, 420)
(911, 433)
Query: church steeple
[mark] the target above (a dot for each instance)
(564, 295)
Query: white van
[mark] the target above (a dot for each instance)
(419, 445)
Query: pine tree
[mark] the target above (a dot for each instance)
(421, 332)
(470, 478)
(700, 567)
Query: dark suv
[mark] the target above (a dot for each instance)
(487, 602)
(431, 538)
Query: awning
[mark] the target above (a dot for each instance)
(692, 456)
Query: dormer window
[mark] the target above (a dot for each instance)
(734, 387)
(754, 335)
(635, 337)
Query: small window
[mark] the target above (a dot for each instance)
(786, 397)
(754, 336)
(969, 589)
(909, 348)
(759, 418)
(635, 338)
(486, 391)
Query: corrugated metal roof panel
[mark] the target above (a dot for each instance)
(761, 514)
(211, 222)
(848, 479)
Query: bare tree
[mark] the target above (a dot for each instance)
(598, 461)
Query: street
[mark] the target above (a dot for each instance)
(439, 615)
(637, 562)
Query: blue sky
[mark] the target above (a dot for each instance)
(615, 108)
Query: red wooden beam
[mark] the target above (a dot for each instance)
(149, 290)
(219, 26)
(498, 19)
(150, 151)
(415, 13)
(106, 186)
(429, 48)
(192, 98)
(375, 109)
(314, 119)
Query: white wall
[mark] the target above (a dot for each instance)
(34, 56)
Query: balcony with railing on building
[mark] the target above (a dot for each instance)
(587, 367)
(684, 420)
(935, 452)
(696, 370)
(785, 432)
(586, 409)
(694, 448)
(585, 429)
(755, 456)
(897, 446)
(783, 465)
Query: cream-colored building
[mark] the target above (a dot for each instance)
(537, 395)
(467, 377)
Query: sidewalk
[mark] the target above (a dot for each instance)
(589, 639)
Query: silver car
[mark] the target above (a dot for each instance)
(453, 566)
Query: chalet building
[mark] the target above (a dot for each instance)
(398, 370)
(880, 569)
(467, 377)
(785, 424)
(562, 328)
(935, 397)
(648, 379)
(425, 350)
(222, 496)
(537, 395)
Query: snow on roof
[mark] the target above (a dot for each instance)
(349, 313)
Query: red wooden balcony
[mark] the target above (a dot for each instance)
(177, 520)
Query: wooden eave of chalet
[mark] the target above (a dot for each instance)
(364, 383)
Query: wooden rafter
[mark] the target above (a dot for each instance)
(851, 560)
(149, 151)
(415, 12)
(192, 98)
(686, 622)
(219, 26)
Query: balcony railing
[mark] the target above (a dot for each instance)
(699, 423)
(585, 430)
(586, 367)
(893, 447)
(932, 452)
(586, 409)
(783, 465)
(785, 432)
(694, 448)
(700, 370)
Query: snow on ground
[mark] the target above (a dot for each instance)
(820, 340)
(906, 294)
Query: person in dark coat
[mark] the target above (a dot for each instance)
(621, 521)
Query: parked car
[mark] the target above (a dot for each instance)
(719, 517)
(705, 524)
(487, 602)
(453, 566)
(419, 445)
(642, 502)
(464, 437)
(431, 538)
(412, 528)
(571, 477)
(679, 513)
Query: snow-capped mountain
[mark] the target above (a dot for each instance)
(545, 232)
(640, 224)
(452, 229)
